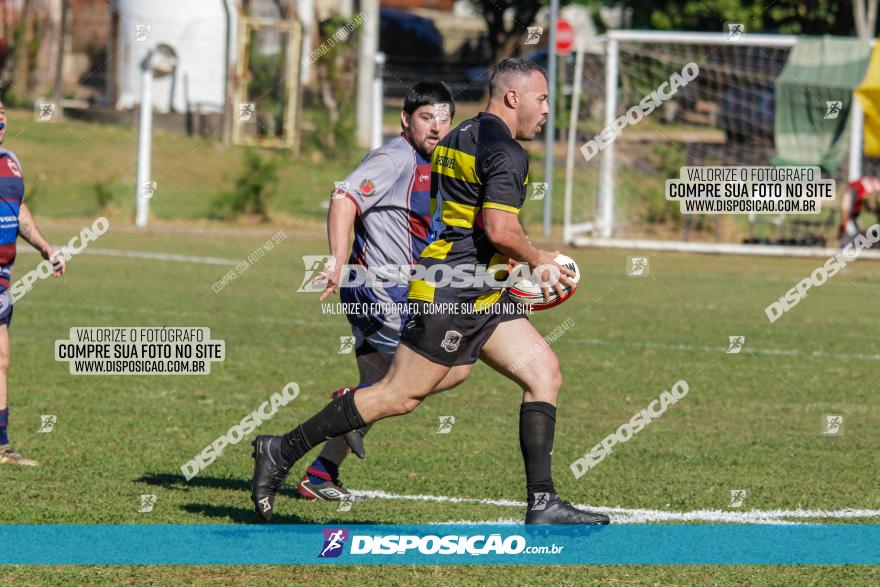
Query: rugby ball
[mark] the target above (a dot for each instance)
(528, 291)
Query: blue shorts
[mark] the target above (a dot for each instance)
(383, 341)
(376, 332)
(5, 307)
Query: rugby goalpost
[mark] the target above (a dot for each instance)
(600, 227)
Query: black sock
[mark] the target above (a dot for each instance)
(537, 425)
(337, 418)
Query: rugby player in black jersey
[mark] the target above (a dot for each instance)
(479, 177)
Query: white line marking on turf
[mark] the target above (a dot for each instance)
(620, 515)
(148, 255)
(720, 349)
(617, 520)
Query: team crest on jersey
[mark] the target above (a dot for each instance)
(13, 167)
(451, 341)
(367, 187)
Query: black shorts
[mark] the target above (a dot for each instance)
(456, 338)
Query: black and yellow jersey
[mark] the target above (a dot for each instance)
(478, 165)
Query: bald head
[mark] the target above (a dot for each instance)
(513, 73)
(518, 94)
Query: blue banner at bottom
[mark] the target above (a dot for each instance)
(441, 544)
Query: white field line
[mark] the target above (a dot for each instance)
(148, 255)
(617, 520)
(713, 248)
(720, 349)
(620, 515)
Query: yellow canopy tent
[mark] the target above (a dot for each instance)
(868, 94)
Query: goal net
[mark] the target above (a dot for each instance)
(724, 116)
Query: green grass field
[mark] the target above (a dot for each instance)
(63, 162)
(751, 421)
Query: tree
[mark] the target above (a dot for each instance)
(36, 51)
(503, 39)
(807, 17)
(17, 69)
(801, 17)
(865, 20)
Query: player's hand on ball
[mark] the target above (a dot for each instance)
(59, 263)
(551, 274)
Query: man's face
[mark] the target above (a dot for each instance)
(427, 125)
(532, 107)
(2, 121)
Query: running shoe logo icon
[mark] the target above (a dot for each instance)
(47, 423)
(833, 424)
(736, 344)
(540, 501)
(446, 423)
(334, 538)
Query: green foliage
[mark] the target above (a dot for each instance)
(506, 22)
(267, 87)
(333, 120)
(329, 137)
(12, 98)
(104, 194)
(814, 17)
(33, 46)
(653, 207)
(253, 189)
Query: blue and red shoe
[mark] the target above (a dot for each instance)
(319, 483)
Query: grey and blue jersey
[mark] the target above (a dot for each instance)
(391, 189)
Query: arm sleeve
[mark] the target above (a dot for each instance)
(372, 181)
(504, 177)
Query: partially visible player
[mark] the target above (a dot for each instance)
(386, 200)
(15, 220)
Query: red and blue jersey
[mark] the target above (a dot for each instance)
(11, 197)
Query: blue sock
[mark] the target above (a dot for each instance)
(4, 422)
(322, 470)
